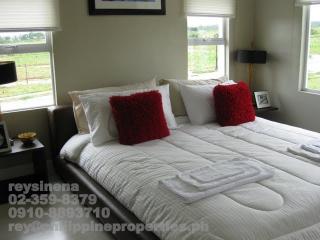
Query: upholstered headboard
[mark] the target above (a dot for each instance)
(62, 126)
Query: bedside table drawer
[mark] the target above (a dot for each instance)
(264, 111)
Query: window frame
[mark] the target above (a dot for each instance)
(33, 48)
(222, 41)
(305, 51)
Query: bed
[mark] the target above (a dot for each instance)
(126, 179)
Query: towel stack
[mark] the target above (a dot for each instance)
(311, 150)
(313, 147)
(207, 181)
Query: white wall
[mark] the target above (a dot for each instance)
(96, 51)
(278, 30)
(241, 36)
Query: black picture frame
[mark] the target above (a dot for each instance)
(262, 99)
(94, 11)
(5, 145)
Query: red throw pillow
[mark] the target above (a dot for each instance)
(233, 104)
(139, 117)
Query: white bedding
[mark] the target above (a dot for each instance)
(284, 207)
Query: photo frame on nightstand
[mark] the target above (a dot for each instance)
(5, 145)
(262, 99)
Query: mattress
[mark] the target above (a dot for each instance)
(284, 207)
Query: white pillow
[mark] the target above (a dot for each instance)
(99, 115)
(78, 110)
(199, 103)
(73, 147)
(178, 107)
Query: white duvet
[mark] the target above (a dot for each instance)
(286, 206)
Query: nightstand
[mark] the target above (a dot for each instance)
(260, 112)
(37, 153)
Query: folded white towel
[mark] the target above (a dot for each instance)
(189, 193)
(315, 143)
(227, 173)
(297, 150)
(208, 174)
(311, 148)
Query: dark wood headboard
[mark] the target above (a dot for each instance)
(62, 127)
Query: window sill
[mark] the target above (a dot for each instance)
(309, 91)
(27, 109)
(208, 77)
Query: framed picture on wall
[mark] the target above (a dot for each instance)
(127, 7)
(5, 145)
(262, 99)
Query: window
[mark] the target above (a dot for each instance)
(310, 71)
(32, 53)
(207, 48)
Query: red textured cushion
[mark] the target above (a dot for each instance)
(233, 104)
(139, 117)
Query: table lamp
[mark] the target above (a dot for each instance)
(251, 57)
(8, 74)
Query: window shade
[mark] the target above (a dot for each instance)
(212, 8)
(307, 2)
(29, 15)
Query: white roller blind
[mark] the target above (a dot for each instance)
(213, 8)
(29, 15)
(307, 2)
